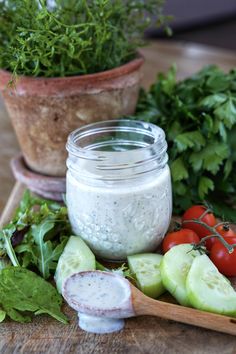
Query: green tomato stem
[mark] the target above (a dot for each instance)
(225, 224)
(177, 226)
(214, 233)
(208, 210)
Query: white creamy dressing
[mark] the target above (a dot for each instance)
(117, 220)
(102, 300)
(100, 325)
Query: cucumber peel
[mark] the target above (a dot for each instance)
(208, 289)
(146, 268)
(76, 257)
(174, 268)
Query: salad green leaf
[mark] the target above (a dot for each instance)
(37, 234)
(24, 291)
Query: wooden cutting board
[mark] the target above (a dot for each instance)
(54, 331)
(142, 335)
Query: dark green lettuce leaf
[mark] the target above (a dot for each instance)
(22, 291)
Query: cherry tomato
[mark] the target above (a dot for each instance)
(223, 260)
(224, 230)
(195, 212)
(178, 237)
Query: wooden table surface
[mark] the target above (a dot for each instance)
(141, 335)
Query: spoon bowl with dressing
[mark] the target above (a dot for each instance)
(104, 299)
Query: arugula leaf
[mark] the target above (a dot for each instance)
(42, 249)
(22, 290)
(37, 234)
(5, 239)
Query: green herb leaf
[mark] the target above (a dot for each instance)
(73, 37)
(180, 188)
(210, 158)
(178, 170)
(227, 113)
(198, 115)
(223, 210)
(190, 140)
(213, 101)
(205, 184)
(217, 82)
(174, 130)
(228, 168)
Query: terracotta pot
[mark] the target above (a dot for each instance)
(45, 110)
(49, 187)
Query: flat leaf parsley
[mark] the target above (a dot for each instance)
(198, 115)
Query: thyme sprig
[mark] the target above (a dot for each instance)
(63, 38)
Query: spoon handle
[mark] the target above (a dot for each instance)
(144, 305)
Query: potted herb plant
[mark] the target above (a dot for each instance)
(66, 63)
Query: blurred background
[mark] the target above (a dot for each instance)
(211, 22)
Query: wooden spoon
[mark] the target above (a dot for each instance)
(109, 295)
(144, 305)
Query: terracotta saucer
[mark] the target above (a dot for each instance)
(45, 186)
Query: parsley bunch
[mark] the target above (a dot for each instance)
(198, 115)
(70, 37)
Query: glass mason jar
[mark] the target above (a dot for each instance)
(119, 187)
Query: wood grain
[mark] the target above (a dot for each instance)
(188, 57)
(12, 203)
(146, 335)
(144, 305)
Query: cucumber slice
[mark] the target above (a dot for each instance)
(174, 268)
(146, 268)
(208, 289)
(75, 258)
